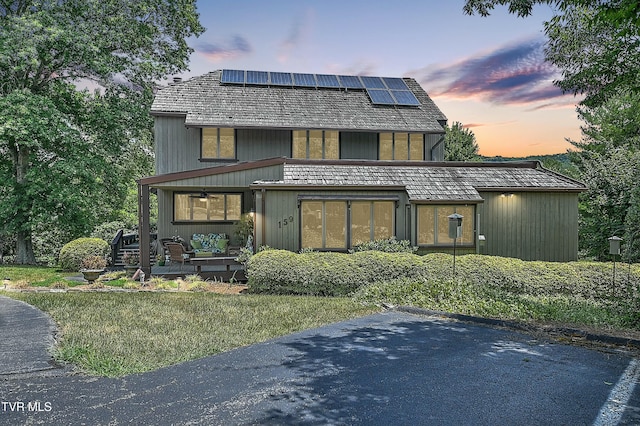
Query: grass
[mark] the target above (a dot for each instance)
(610, 314)
(36, 276)
(114, 334)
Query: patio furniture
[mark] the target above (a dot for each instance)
(178, 254)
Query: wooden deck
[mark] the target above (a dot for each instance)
(219, 268)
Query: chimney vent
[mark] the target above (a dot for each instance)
(177, 79)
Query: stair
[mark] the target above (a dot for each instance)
(119, 262)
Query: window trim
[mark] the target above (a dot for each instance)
(219, 159)
(191, 193)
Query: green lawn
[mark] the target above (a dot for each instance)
(115, 334)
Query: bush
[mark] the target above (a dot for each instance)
(74, 252)
(389, 246)
(327, 273)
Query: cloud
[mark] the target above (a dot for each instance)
(511, 74)
(297, 32)
(233, 48)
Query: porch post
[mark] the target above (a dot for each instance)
(144, 229)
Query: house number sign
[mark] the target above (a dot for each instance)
(285, 221)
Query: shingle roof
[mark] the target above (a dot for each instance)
(206, 102)
(427, 181)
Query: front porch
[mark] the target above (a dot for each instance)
(221, 273)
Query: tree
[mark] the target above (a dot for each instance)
(460, 144)
(63, 149)
(595, 44)
(607, 157)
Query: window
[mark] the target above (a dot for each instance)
(316, 144)
(206, 208)
(218, 143)
(401, 146)
(371, 220)
(325, 224)
(433, 225)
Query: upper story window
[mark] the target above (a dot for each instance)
(206, 207)
(218, 143)
(316, 144)
(401, 146)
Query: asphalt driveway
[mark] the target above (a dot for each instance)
(389, 368)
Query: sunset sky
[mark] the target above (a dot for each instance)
(487, 73)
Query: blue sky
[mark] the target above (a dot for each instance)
(487, 73)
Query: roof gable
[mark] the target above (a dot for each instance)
(206, 102)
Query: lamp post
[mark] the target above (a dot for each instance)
(455, 231)
(614, 250)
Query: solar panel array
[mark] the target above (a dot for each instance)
(381, 90)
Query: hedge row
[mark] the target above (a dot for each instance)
(339, 274)
(326, 273)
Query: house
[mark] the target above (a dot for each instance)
(327, 161)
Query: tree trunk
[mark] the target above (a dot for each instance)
(24, 246)
(24, 249)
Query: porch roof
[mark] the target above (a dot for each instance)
(423, 181)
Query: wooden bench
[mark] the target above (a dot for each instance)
(220, 260)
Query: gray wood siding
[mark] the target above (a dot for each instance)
(226, 182)
(530, 225)
(431, 141)
(177, 148)
(281, 205)
(235, 179)
(256, 144)
(358, 146)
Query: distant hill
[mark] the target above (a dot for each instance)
(560, 163)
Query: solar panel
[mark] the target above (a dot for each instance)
(394, 83)
(372, 82)
(304, 80)
(405, 97)
(381, 97)
(350, 82)
(327, 80)
(281, 79)
(232, 76)
(257, 77)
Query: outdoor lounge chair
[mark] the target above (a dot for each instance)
(177, 254)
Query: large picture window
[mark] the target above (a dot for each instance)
(326, 224)
(433, 225)
(401, 146)
(371, 220)
(218, 143)
(316, 144)
(206, 207)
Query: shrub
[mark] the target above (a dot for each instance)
(74, 252)
(326, 273)
(390, 245)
